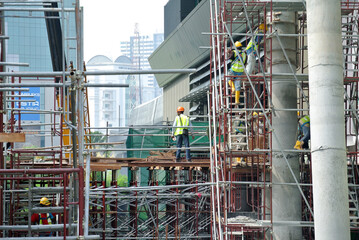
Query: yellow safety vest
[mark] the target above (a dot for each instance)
(304, 120)
(47, 217)
(181, 120)
(237, 65)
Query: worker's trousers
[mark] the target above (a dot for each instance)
(306, 136)
(237, 83)
(185, 139)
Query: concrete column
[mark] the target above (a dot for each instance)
(286, 200)
(330, 182)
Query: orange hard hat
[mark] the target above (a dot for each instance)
(180, 109)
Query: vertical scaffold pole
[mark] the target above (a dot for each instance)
(330, 182)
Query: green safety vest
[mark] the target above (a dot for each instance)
(47, 217)
(237, 65)
(185, 122)
(304, 120)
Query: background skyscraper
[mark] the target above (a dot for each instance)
(138, 49)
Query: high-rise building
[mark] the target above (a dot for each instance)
(138, 49)
(109, 106)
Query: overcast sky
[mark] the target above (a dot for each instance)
(108, 22)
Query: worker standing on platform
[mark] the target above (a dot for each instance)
(181, 133)
(43, 218)
(304, 130)
(238, 58)
(252, 47)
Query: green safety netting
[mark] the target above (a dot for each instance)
(156, 139)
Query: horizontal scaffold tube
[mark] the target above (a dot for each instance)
(92, 73)
(61, 85)
(54, 238)
(51, 227)
(39, 171)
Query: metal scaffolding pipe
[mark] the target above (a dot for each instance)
(146, 149)
(286, 200)
(329, 169)
(39, 171)
(8, 9)
(91, 73)
(14, 89)
(51, 227)
(53, 238)
(14, 64)
(61, 85)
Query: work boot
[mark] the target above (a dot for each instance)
(237, 97)
(298, 145)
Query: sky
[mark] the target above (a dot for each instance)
(108, 22)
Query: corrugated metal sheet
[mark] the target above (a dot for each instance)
(182, 47)
(171, 94)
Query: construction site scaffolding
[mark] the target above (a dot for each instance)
(247, 143)
(160, 199)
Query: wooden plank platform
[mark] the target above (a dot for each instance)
(12, 137)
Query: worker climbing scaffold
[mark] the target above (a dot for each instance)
(252, 47)
(238, 60)
(304, 133)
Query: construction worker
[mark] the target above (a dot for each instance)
(252, 47)
(304, 133)
(181, 133)
(43, 218)
(237, 68)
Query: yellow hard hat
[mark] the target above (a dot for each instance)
(238, 44)
(45, 201)
(255, 114)
(262, 26)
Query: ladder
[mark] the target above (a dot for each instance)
(239, 129)
(353, 195)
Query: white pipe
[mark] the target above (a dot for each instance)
(14, 64)
(211, 166)
(214, 123)
(87, 193)
(329, 169)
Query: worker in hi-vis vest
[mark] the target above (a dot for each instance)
(238, 59)
(304, 133)
(252, 47)
(181, 133)
(43, 218)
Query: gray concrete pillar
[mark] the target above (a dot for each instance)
(329, 169)
(286, 200)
